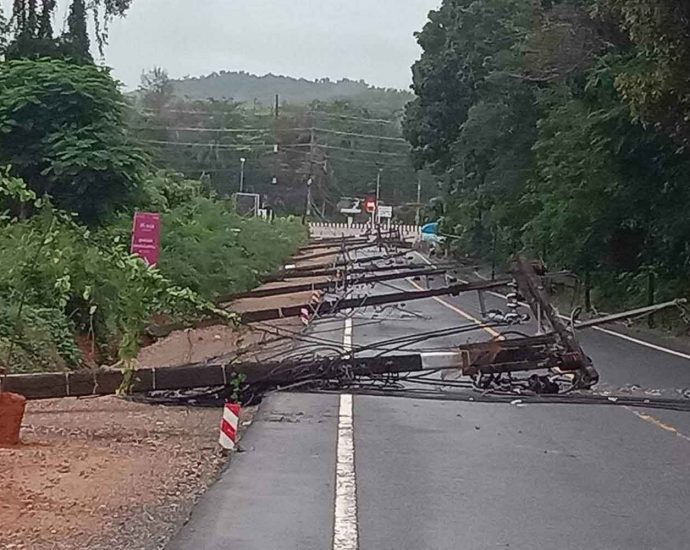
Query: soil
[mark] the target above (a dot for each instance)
(104, 473)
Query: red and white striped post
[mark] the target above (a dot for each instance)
(305, 316)
(229, 426)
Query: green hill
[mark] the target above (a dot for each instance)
(246, 87)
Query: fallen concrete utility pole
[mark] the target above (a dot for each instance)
(631, 314)
(333, 306)
(316, 245)
(330, 285)
(530, 287)
(294, 272)
(202, 375)
(484, 358)
(332, 252)
(353, 270)
(517, 355)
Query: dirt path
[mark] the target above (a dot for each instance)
(105, 473)
(112, 474)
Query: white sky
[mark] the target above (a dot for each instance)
(359, 39)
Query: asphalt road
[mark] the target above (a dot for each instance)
(456, 475)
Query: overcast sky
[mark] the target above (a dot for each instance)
(359, 39)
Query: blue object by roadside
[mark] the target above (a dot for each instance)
(430, 229)
(430, 234)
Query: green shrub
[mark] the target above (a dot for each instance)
(60, 279)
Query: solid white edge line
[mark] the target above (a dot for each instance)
(345, 529)
(643, 343)
(599, 329)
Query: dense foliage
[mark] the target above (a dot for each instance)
(30, 33)
(340, 145)
(558, 128)
(70, 292)
(62, 131)
(62, 284)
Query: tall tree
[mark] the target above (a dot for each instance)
(77, 150)
(156, 89)
(77, 34)
(551, 124)
(655, 81)
(33, 33)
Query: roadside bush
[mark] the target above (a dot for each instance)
(38, 339)
(206, 246)
(213, 251)
(60, 279)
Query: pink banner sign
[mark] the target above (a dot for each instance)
(146, 237)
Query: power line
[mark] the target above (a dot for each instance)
(202, 113)
(369, 136)
(211, 145)
(347, 117)
(324, 114)
(266, 131)
(363, 151)
(356, 161)
(212, 130)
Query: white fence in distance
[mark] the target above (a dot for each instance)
(335, 229)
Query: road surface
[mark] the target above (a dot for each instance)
(324, 471)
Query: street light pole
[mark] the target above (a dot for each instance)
(242, 161)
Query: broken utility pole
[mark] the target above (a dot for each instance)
(331, 285)
(333, 306)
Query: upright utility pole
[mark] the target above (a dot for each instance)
(308, 209)
(418, 215)
(276, 145)
(378, 185)
(378, 196)
(310, 181)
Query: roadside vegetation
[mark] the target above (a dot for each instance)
(560, 129)
(71, 177)
(340, 141)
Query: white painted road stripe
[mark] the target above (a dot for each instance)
(643, 343)
(599, 329)
(460, 312)
(347, 335)
(345, 533)
(345, 530)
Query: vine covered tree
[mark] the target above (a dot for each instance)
(560, 128)
(32, 33)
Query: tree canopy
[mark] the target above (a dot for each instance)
(62, 130)
(31, 33)
(560, 128)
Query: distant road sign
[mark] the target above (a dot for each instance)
(370, 204)
(247, 204)
(146, 237)
(385, 212)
